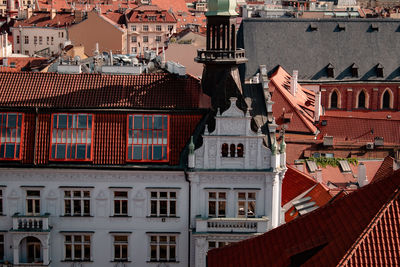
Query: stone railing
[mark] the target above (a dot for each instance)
(209, 55)
(242, 225)
(31, 222)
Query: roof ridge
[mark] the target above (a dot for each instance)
(370, 227)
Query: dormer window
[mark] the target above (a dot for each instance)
(148, 138)
(354, 70)
(72, 136)
(10, 135)
(379, 70)
(330, 70)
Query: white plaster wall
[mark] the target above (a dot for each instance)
(101, 201)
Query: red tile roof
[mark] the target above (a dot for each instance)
(301, 106)
(295, 183)
(384, 170)
(360, 229)
(156, 91)
(21, 63)
(44, 20)
(143, 14)
(361, 126)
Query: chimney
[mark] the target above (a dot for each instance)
(53, 13)
(293, 83)
(78, 16)
(29, 12)
(111, 58)
(318, 175)
(362, 175)
(317, 112)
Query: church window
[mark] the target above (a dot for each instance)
(225, 150)
(216, 204)
(10, 135)
(334, 100)
(386, 100)
(71, 137)
(148, 137)
(240, 150)
(361, 100)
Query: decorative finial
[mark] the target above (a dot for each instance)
(218, 112)
(273, 146)
(206, 130)
(283, 144)
(191, 146)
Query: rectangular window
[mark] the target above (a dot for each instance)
(120, 203)
(162, 203)
(10, 135)
(40, 40)
(217, 244)
(133, 28)
(158, 39)
(246, 204)
(62, 34)
(216, 204)
(76, 203)
(48, 40)
(145, 39)
(158, 28)
(120, 248)
(52, 40)
(145, 28)
(170, 28)
(77, 247)
(163, 247)
(26, 39)
(72, 136)
(35, 40)
(134, 49)
(133, 39)
(148, 137)
(18, 39)
(33, 202)
(1, 247)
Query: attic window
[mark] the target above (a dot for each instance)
(10, 135)
(12, 65)
(379, 70)
(354, 70)
(374, 27)
(330, 70)
(341, 26)
(312, 166)
(313, 27)
(344, 165)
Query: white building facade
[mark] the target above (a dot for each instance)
(235, 183)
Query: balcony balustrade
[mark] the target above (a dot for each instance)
(223, 225)
(31, 222)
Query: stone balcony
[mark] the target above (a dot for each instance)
(232, 225)
(221, 56)
(34, 223)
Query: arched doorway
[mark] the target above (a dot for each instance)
(30, 250)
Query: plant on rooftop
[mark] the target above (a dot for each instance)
(334, 162)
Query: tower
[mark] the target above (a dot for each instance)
(221, 57)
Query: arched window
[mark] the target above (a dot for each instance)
(386, 100)
(224, 150)
(232, 150)
(361, 100)
(240, 150)
(334, 100)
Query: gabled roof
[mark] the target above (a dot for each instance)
(145, 91)
(361, 126)
(300, 107)
(295, 183)
(360, 229)
(150, 14)
(44, 20)
(296, 45)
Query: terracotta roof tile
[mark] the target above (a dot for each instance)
(44, 20)
(21, 63)
(341, 235)
(295, 183)
(144, 13)
(384, 170)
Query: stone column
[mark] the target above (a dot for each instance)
(349, 103)
(275, 201)
(268, 199)
(200, 251)
(194, 203)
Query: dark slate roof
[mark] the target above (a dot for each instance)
(310, 45)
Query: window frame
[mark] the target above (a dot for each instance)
(147, 145)
(82, 199)
(71, 143)
(21, 137)
(247, 200)
(120, 199)
(168, 200)
(120, 243)
(159, 243)
(1, 202)
(34, 200)
(217, 202)
(145, 28)
(2, 246)
(82, 243)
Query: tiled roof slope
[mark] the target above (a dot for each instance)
(44, 20)
(295, 183)
(361, 126)
(361, 229)
(385, 169)
(141, 15)
(299, 107)
(146, 91)
(309, 45)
